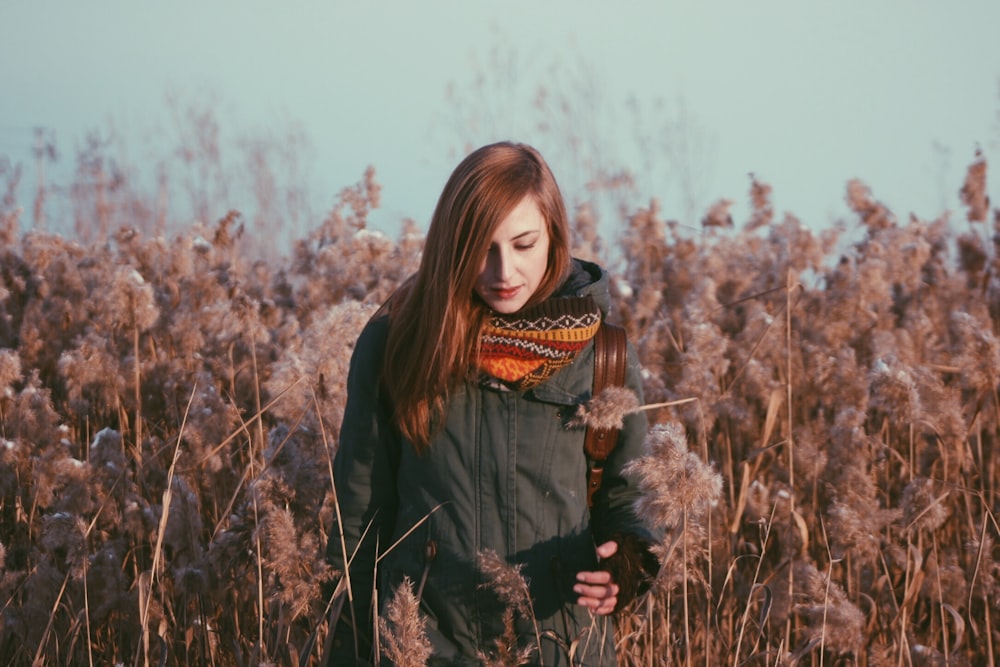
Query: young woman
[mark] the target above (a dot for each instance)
(456, 437)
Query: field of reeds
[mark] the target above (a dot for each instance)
(825, 465)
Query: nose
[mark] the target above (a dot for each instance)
(502, 265)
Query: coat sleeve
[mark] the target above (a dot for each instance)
(364, 474)
(613, 515)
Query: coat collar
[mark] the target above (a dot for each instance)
(573, 384)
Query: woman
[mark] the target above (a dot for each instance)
(456, 437)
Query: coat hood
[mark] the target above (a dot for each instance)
(587, 279)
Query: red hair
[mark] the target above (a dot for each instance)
(436, 317)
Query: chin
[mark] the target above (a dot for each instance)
(505, 307)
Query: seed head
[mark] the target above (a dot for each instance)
(607, 409)
(674, 481)
(506, 581)
(403, 631)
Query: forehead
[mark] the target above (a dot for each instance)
(526, 216)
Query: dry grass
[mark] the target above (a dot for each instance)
(824, 459)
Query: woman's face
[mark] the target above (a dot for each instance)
(517, 259)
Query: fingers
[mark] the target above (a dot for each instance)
(600, 599)
(604, 607)
(597, 591)
(600, 577)
(607, 550)
(607, 607)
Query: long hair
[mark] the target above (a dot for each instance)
(436, 318)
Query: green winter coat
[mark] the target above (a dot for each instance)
(504, 474)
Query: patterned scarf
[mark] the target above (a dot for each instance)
(525, 349)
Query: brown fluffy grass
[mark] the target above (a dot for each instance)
(823, 458)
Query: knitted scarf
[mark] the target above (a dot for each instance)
(524, 349)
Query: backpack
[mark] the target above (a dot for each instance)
(610, 348)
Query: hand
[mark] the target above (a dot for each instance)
(597, 591)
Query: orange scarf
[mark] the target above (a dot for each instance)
(524, 349)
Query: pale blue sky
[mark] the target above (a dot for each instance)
(806, 94)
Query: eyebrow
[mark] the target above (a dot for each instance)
(521, 236)
(526, 233)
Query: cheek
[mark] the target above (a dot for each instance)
(478, 286)
(541, 263)
(541, 267)
(483, 274)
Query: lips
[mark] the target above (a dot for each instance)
(506, 293)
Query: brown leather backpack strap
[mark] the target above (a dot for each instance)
(610, 348)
